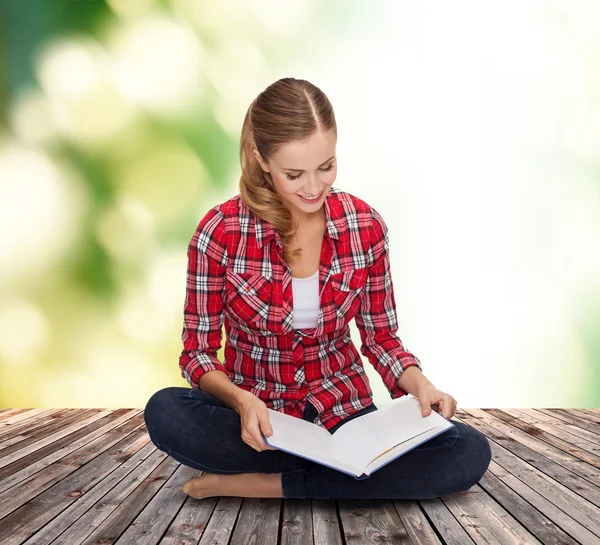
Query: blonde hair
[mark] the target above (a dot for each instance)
(288, 110)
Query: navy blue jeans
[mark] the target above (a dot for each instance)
(199, 431)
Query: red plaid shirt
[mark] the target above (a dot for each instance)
(236, 276)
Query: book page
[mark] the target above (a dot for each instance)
(407, 445)
(364, 438)
(302, 438)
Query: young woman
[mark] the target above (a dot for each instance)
(286, 265)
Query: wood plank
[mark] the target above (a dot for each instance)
(567, 469)
(485, 520)
(559, 437)
(296, 524)
(9, 413)
(25, 467)
(572, 419)
(532, 414)
(127, 511)
(79, 518)
(48, 492)
(445, 523)
(50, 434)
(546, 481)
(542, 486)
(593, 415)
(29, 427)
(371, 521)
(326, 523)
(415, 522)
(581, 410)
(572, 435)
(555, 526)
(191, 521)
(150, 525)
(516, 497)
(27, 417)
(220, 527)
(559, 423)
(258, 522)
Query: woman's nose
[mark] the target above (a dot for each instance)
(313, 187)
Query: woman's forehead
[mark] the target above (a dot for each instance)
(309, 153)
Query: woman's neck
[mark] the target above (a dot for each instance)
(311, 221)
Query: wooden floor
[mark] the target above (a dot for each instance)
(70, 476)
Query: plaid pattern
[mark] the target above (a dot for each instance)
(236, 276)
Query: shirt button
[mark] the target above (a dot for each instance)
(247, 287)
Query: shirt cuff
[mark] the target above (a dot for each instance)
(198, 365)
(391, 373)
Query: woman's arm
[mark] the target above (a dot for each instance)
(204, 299)
(415, 383)
(254, 415)
(411, 380)
(377, 322)
(217, 384)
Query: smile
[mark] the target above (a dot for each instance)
(309, 199)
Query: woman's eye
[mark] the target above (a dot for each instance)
(290, 177)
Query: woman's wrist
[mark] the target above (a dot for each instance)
(239, 395)
(218, 384)
(412, 379)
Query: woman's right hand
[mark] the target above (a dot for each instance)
(254, 418)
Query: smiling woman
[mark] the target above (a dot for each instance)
(298, 166)
(307, 186)
(251, 260)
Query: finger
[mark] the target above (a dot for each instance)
(446, 412)
(266, 445)
(427, 406)
(265, 424)
(266, 429)
(255, 439)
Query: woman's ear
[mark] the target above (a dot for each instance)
(262, 164)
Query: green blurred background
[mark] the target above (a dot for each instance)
(473, 129)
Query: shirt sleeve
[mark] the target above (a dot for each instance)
(376, 319)
(205, 290)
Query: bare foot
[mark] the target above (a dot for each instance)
(244, 485)
(204, 486)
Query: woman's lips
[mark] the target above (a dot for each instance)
(310, 200)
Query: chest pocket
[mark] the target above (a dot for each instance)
(346, 288)
(248, 296)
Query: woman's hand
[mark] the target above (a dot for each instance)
(254, 418)
(429, 395)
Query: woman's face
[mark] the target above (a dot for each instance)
(304, 168)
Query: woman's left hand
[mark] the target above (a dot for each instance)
(429, 395)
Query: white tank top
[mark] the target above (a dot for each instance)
(306, 301)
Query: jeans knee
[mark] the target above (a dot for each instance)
(487, 456)
(481, 456)
(484, 450)
(157, 407)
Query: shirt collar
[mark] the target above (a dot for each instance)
(335, 220)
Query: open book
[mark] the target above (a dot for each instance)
(364, 444)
